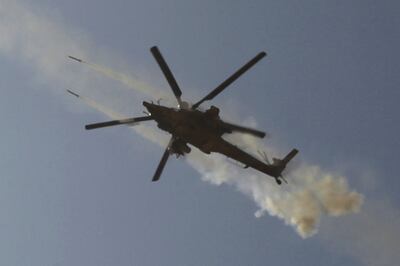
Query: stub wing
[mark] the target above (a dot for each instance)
(229, 128)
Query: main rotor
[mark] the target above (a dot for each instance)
(178, 92)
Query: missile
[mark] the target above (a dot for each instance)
(76, 59)
(73, 93)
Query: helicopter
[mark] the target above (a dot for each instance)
(203, 129)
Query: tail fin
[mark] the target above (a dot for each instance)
(290, 156)
(280, 164)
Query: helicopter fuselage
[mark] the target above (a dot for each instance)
(204, 131)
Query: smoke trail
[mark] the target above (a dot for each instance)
(128, 81)
(149, 133)
(312, 192)
(101, 108)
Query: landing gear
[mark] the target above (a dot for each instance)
(278, 181)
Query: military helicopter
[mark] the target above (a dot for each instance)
(187, 124)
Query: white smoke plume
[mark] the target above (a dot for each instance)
(130, 82)
(311, 193)
(373, 235)
(101, 108)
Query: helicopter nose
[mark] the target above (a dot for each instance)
(149, 106)
(146, 104)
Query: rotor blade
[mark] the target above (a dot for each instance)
(162, 163)
(118, 122)
(231, 79)
(167, 73)
(233, 127)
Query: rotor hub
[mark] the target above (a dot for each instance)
(184, 105)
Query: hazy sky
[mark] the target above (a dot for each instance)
(329, 87)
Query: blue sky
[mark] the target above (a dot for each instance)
(329, 87)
